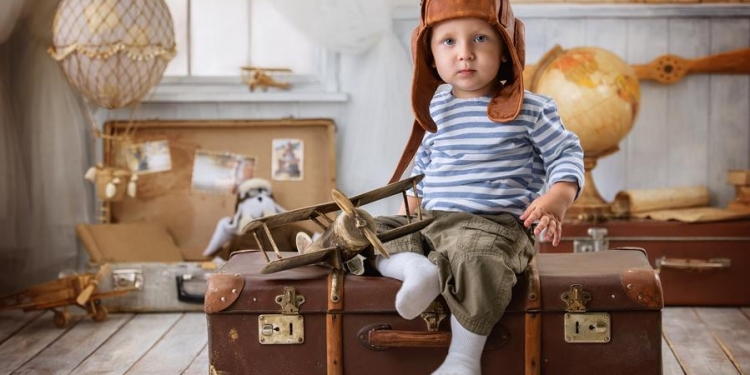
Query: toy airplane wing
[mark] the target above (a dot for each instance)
(319, 211)
(326, 256)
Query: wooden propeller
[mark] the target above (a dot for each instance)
(671, 68)
(346, 205)
(665, 69)
(85, 294)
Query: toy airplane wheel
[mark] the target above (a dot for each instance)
(100, 314)
(61, 319)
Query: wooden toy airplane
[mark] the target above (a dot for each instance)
(350, 233)
(259, 77)
(57, 295)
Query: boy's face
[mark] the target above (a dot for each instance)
(467, 54)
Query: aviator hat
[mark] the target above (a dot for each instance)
(506, 103)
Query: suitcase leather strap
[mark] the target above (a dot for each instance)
(334, 323)
(533, 327)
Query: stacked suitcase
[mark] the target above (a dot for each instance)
(592, 313)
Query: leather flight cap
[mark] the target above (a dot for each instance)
(507, 101)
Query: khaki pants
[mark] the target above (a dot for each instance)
(478, 257)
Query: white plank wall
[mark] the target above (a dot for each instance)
(688, 133)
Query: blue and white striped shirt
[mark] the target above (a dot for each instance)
(475, 165)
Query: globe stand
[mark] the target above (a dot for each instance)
(590, 206)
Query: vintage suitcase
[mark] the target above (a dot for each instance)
(705, 264)
(155, 240)
(594, 313)
(143, 258)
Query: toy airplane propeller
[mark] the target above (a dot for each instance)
(350, 233)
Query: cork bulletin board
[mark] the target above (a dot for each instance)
(169, 195)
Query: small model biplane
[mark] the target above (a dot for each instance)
(75, 290)
(351, 232)
(259, 77)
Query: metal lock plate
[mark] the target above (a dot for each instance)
(583, 328)
(127, 278)
(279, 329)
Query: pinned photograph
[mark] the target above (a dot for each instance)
(287, 159)
(220, 172)
(149, 157)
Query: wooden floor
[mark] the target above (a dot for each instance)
(696, 341)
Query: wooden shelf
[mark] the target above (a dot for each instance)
(599, 10)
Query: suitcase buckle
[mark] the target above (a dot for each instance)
(433, 315)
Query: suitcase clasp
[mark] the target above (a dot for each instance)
(581, 326)
(129, 278)
(285, 328)
(598, 241)
(433, 315)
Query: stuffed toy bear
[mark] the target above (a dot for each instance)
(254, 201)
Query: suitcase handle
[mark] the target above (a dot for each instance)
(692, 264)
(381, 337)
(183, 295)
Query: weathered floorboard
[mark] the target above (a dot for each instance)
(693, 344)
(67, 352)
(199, 366)
(669, 362)
(174, 352)
(731, 329)
(29, 341)
(127, 345)
(12, 321)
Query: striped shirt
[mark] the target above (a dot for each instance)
(475, 165)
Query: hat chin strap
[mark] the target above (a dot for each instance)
(417, 133)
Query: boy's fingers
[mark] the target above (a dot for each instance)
(558, 234)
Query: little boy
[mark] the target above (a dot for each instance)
(491, 148)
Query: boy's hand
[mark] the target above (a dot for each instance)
(549, 210)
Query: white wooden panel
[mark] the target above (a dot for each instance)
(219, 37)
(646, 144)
(274, 42)
(535, 40)
(611, 172)
(179, 65)
(568, 33)
(688, 106)
(729, 134)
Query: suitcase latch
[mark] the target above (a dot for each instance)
(127, 278)
(581, 326)
(286, 328)
(598, 241)
(433, 315)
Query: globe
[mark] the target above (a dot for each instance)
(597, 94)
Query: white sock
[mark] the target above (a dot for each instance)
(421, 283)
(465, 352)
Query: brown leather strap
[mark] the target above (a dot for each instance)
(533, 326)
(417, 133)
(334, 323)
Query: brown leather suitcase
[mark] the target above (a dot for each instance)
(700, 264)
(595, 313)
